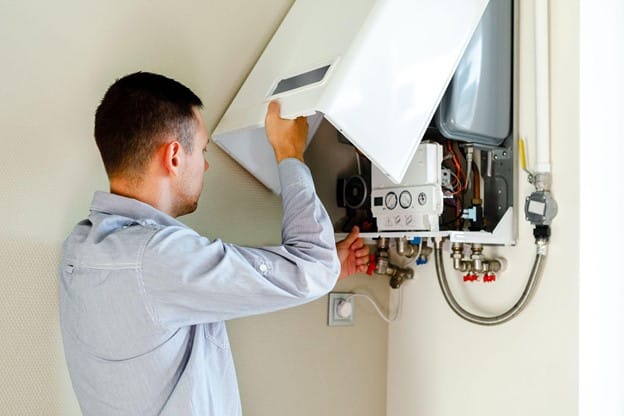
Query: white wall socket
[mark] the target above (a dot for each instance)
(341, 309)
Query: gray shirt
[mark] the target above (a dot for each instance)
(143, 299)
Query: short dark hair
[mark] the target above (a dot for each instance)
(135, 114)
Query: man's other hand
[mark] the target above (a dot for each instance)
(287, 137)
(353, 254)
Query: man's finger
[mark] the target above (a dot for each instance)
(357, 244)
(361, 261)
(363, 252)
(352, 237)
(274, 109)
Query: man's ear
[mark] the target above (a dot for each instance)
(172, 157)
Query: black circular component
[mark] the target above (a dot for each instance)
(355, 192)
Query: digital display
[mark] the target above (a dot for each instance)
(378, 201)
(301, 80)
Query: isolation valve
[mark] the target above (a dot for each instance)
(382, 265)
(475, 263)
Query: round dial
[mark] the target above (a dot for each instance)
(391, 200)
(405, 199)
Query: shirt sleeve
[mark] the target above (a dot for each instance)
(189, 279)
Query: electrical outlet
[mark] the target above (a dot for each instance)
(340, 309)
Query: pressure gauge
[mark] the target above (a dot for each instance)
(391, 200)
(405, 199)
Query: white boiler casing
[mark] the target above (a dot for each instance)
(375, 69)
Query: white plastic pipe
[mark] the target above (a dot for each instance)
(542, 88)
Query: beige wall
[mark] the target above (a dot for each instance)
(56, 60)
(440, 365)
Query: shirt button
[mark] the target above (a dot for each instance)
(263, 268)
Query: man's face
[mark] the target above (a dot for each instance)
(194, 165)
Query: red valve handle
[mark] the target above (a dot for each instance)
(372, 264)
(471, 277)
(489, 277)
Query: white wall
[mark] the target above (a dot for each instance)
(439, 365)
(56, 60)
(601, 309)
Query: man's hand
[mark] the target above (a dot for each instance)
(353, 254)
(288, 137)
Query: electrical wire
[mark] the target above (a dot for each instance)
(454, 187)
(449, 222)
(456, 162)
(359, 163)
(388, 319)
(457, 195)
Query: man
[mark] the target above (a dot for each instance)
(143, 297)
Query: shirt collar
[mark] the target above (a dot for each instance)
(108, 203)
